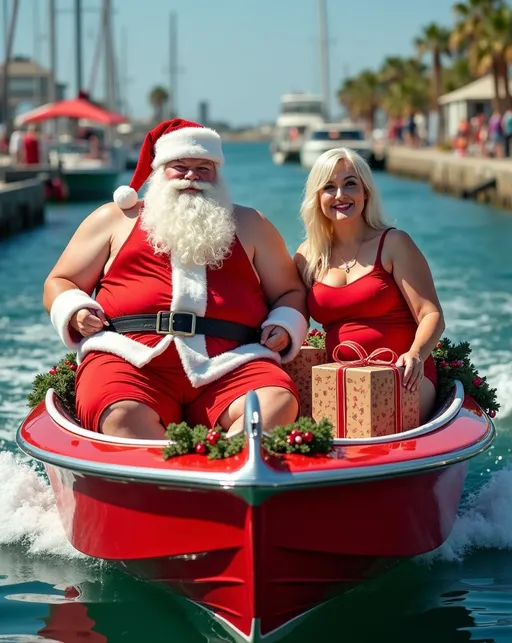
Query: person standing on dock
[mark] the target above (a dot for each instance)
(31, 147)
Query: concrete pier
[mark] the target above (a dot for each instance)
(22, 206)
(455, 175)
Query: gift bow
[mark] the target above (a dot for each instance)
(364, 358)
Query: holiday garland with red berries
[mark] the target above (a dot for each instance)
(61, 378)
(303, 437)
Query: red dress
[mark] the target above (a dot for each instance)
(370, 311)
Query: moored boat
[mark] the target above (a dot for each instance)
(257, 539)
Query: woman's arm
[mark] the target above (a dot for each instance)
(412, 275)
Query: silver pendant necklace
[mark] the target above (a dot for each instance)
(348, 265)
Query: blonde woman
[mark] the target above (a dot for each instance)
(367, 281)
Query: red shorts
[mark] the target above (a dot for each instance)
(103, 379)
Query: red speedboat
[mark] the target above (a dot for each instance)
(258, 540)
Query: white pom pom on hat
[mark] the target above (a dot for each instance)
(169, 141)
(126, 197)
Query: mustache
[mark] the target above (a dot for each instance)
(184, 184)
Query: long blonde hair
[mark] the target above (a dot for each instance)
(319, 229)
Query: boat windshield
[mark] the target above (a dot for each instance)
(337, 135)
(302, 107)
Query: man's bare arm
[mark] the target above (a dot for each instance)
(283, 288)
(68, 287)
(81, 264)
(278, 274)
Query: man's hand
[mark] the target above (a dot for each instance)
(275, 337)
(88, 322)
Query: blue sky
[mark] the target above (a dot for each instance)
(240, 55)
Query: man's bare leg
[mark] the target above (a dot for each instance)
(278, 407)
(131, 419)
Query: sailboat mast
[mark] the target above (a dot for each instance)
(78, 45)
(324, 57)
(5, 80)
(52, 89)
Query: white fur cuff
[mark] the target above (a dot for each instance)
(64, 307)
(294, 323)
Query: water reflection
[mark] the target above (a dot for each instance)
(446, 603)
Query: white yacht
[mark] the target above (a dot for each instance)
(326, 136)
(298, 112)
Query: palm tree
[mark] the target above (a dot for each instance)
(435, 40)
(405, 86)
(484, 29)
(158, 97)
(361, 96)
(457, 74)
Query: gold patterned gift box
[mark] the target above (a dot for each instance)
(361, 397)
(300, 370)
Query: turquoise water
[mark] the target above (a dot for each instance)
(463, 592)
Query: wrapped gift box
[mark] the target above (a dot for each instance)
(300, 370)
(361, 400)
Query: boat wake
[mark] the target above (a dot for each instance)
(484, 523)
(28, 513)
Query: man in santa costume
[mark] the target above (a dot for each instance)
(197, 301)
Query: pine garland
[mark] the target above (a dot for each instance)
(453, 363)
(304, 437)
(211, 442)
(60, 377)
(315, 338)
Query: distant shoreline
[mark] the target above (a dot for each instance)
(245, 137)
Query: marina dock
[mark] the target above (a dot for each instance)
(22, 206)
(487, 180)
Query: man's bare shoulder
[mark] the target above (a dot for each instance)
(111, 212)
(109, 216)
(250, 218)
(245, 212)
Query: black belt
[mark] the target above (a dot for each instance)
(183, 324)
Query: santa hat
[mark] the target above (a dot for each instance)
(169, 141)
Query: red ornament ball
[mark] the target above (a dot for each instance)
(492, 413)
(201, 448)
(308, 437)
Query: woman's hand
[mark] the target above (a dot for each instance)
(88, 322)
(413, 373)
(275, 337)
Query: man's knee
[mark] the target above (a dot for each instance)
(275, 400)
(126, 415)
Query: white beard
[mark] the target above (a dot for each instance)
(197, 228)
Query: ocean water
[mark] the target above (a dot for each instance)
(461, 592)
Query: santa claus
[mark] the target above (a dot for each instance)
(196, 300)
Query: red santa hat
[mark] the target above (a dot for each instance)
(169, 141)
